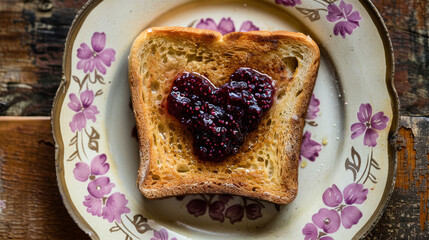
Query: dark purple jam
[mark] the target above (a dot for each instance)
(220, 118)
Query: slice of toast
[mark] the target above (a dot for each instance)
(266, 166)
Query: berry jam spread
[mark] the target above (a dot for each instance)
(220, 118)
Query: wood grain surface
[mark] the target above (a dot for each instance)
(28, 186)
(32, 36)
(31, 47)
(406, 216)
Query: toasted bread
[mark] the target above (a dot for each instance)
(266, 166)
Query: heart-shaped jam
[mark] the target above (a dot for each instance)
(220, 118)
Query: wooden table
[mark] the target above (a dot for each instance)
(32, 35)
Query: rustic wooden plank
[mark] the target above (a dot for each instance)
(408, 25)
(406, 216)
(31, 48)
(34, 209)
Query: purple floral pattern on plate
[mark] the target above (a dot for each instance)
(91, 60)
(226, 25)
(219, 209)
(313, 108)
(97, 57)
(327, 220)
(310, 231)
(368, 124)
(309, 148)
(346, 20)
(83, 108)
(341, 211)
(161, 235)
(99, 202)
(289, 3)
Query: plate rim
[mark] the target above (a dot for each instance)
(66, 80)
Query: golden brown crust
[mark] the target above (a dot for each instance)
(160, 175)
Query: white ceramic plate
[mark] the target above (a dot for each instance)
(347, 169)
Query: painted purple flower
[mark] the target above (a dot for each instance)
(216, 211)
(197, 207)
(161, 235)
(98, 203)
(289, 3)
(327, 220)
(313, 108)
(226, 25)
(248, 26)
(310, 231)
(332, 196)
(368, 124)
(93, 205)
(98, 57)
(253, 211)
(355, 193)
(309, 148)
(83, 108)
(116, 205)
(235, 213)
(82, 171)
(340, 12)
(350, 216)
(100, 187)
